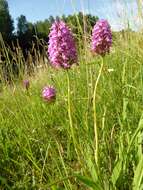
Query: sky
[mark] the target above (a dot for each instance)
(118, 12)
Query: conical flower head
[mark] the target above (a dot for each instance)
(61, 49)
(49, 93)
(101, 37)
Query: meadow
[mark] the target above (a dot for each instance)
(52, 145)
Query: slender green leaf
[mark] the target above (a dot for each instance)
(138, 175)
(88, 182)
(116, 172)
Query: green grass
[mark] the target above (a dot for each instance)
(52, 145)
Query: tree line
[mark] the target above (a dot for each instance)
(22, 47)
(26, 33)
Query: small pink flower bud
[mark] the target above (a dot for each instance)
(26, 84)
(49, 93)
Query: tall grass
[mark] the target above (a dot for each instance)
(52, 146)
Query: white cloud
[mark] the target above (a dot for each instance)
(120, 13)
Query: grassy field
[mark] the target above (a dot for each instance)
(52, 145)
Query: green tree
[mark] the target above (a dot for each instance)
(43, 28)
(51, 19)
(6, 22)
(22, 25)
(79, 22)
(25, 33)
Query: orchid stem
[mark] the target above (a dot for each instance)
(96, 153)
(69, 113)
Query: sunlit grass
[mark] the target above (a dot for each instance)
(52, 145)
(37, 147)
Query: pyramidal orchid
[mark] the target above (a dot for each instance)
(61, 48)
(101, 38)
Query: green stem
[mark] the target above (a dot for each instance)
(96, 153)
(60, 181)
(70, 115)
